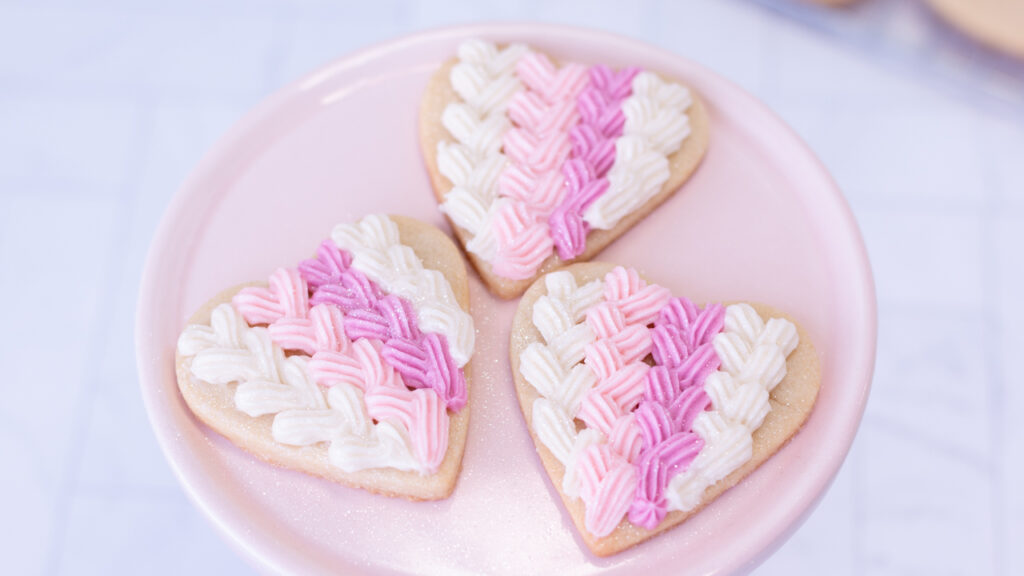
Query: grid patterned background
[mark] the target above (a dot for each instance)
(105, 107)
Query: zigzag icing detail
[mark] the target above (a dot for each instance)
(593, 153)
(269, 383)
(543, 154)
(378, 253)
(485, 80)
(366, 345)
(655, 437)
(537, 147)
(753, 355)
(655, 126)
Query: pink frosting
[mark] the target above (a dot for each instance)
(322, 329)
(593, 153)
(537, 153)
(566, 225)
(421, 412)
(537, 148)
(356, 333)
(646, 413)
(542, 192)
(361, 366)
(328, 266)
(523, 242)
(285, 297)
(622, 342)
(566, 123)
(423, 359)
(563, 144)
(551, 83)
(682, 339)
(655, 467)
(608, 475)
(626, 438)
(673, 398)
(539, 115)
(616, 358)
(601, 104)
(607, 485)
(639, 302)
(681, 403)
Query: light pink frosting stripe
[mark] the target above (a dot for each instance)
(537, 148)
(608, 474)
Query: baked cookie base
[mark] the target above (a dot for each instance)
(682, 164)
(214, 404)
(791, 401)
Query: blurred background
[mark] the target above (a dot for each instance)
(106, 106)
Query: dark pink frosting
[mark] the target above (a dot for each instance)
(423, 359)
(592, 155)
(673, 397)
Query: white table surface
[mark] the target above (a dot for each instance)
(105, 107)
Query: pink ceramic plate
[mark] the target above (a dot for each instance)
(761, 220)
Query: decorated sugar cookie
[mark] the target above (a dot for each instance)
(645, 406)
(351, 365)
(538, 163)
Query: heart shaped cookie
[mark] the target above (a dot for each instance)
(645, 407)
(352, 366)
(538, 165)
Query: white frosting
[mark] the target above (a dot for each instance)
(656, 125)
(555, 369)
(387, 447)
(485, 79)
(656, 112)
(753, 355)
(378, 253)
(485, 76)
(554, 427)
(228, 350)
(472, 203)
(563, 379)
(294, 391)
